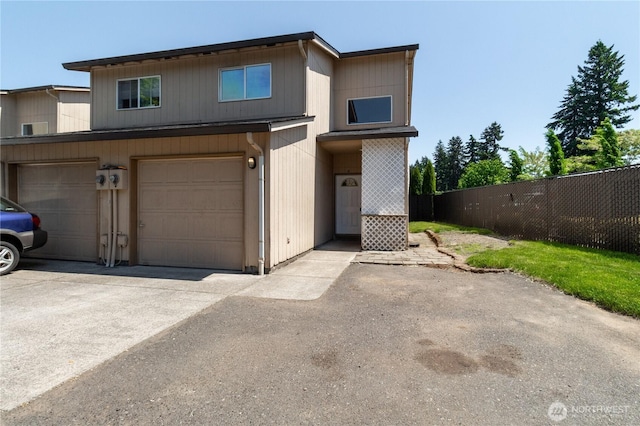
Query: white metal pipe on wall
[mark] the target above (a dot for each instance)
(261, 205)
(114, 234)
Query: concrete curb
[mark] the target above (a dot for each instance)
(458, 261)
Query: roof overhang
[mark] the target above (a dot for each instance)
(230, 46)
(199, 129)
(378, 133)
(350, 141)
(49, 87)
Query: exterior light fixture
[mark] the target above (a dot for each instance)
(251, 162)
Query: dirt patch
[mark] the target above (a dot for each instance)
(466, 244)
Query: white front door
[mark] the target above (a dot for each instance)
(348, 190)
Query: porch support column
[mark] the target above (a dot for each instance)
(384, 194)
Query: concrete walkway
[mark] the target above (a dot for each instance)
(59, 319)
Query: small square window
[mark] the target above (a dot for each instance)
(369, 110)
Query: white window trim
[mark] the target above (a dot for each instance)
(32, 124)
(140, 78)
(370, 122)
(244, 95)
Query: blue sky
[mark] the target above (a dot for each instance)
(478, 61)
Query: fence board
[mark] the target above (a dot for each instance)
(599, 209)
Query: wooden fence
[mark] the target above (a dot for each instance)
(598, 209)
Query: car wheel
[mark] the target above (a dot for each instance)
(9, 257)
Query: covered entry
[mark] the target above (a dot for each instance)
(190, 212)
(64, 196)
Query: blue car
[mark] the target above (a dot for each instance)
(19, 232)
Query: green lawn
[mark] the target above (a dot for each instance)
(608, 278)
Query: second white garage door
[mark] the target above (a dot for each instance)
(191, 213)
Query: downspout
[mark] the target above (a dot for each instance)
(114, 235)
(406, 86)
(57, 106)
(261, 206)
(306, 65)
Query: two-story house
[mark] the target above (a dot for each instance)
(44, 110)
(237, 155)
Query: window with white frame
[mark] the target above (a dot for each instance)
(136, 93)
(248, 82)
(369, 110)
(40, 128)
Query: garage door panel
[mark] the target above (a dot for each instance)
(233, 198)
(194, 215)
(177, 198)
(64, 196)
(227, 224)
(175, 173)
(205, 199)
(228, 253)
(229, 172)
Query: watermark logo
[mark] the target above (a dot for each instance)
(557, 411)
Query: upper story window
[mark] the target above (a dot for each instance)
(240, 83)
(41, 128)
(143, 92)
(369, 110)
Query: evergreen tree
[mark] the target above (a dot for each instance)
(610, 154)
(441, 166)
(595, 94)
(415, 179)
(489, 142)
(471, 150)
(429, 179)
(455, 161)
(515, 167)
(556, 155)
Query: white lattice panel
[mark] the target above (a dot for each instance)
(384, 233)
(383, 176)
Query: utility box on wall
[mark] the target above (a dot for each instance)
(118, 178)
(102, 179)
(112, 179)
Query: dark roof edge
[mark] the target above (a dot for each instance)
(383, 50)
(48, 87)
(256, 126)
(211, 48)
(384, 132)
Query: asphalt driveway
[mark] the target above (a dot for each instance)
(383, 345)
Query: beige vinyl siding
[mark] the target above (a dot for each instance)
(36, 107)
(189, 90)
(8, 115)
(319, 75)
(127, 152)
(74, 111)
(297, 170)
(369, 76)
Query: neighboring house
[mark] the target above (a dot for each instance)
(44, 110)
(192, 128)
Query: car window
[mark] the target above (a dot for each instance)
(10, 206)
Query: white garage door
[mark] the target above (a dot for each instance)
(191, 213)
(64, 196)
